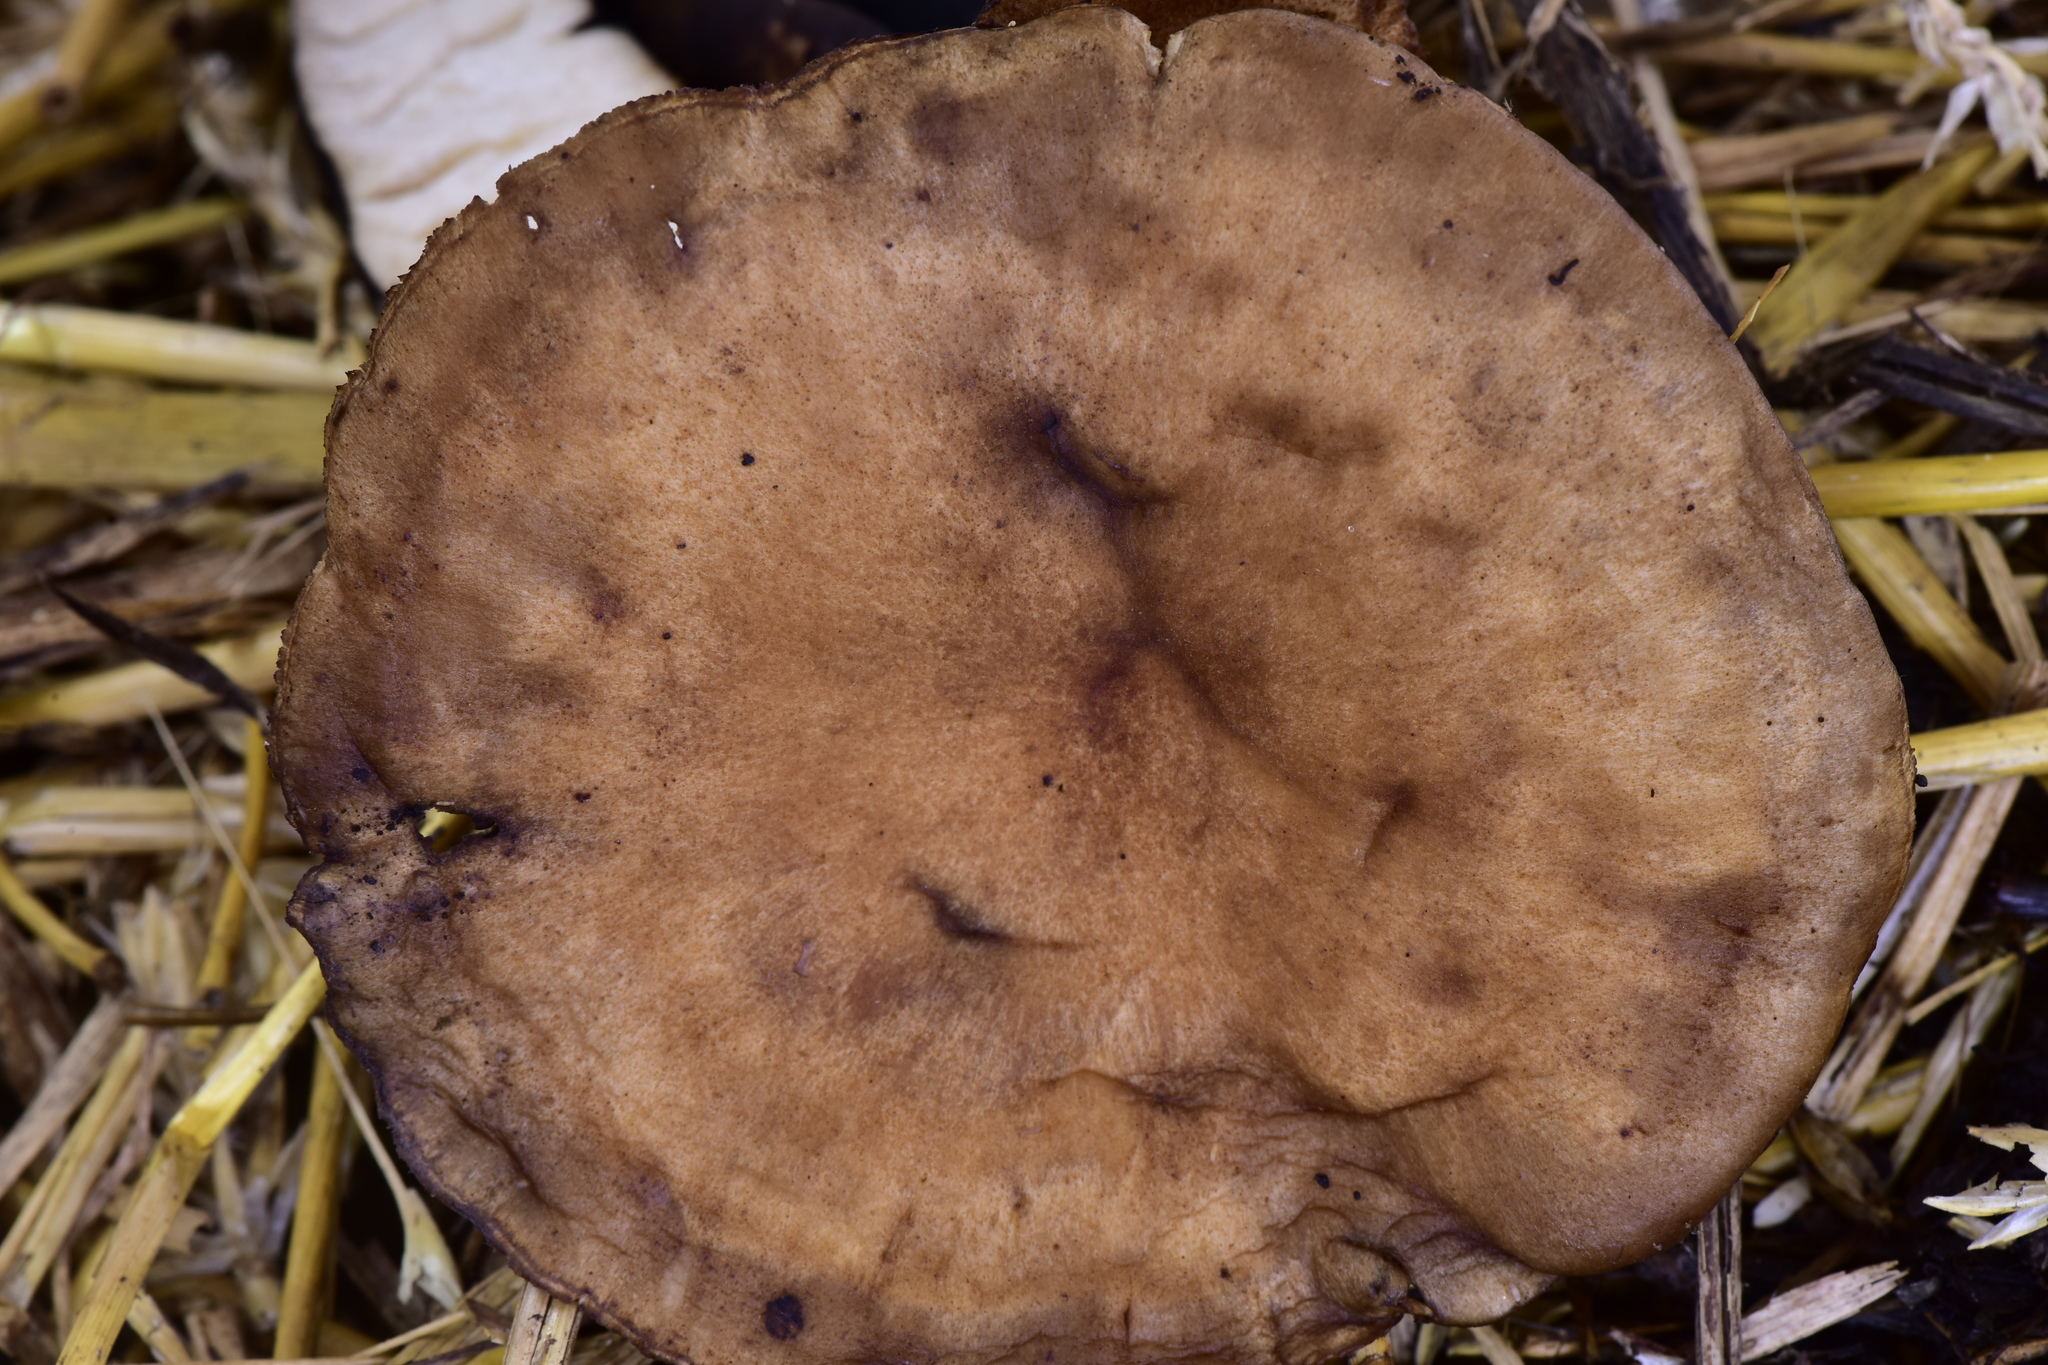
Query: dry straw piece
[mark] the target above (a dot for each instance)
(1821, 56)
(154, 227)
(1948, 483)
(37, 919)
(129, 691)
(1986, 751)
(66, 432)
(174, 1165)
(159, 348)
(1898, 577)
(1798, 1313)
(1827, 281)
(2020, 1205)
(64, 1087)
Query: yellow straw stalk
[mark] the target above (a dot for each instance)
(1964, 755)
(126, 692)
(1900, 579)
(155, 227)
(174, 1166)
(1829, 280)
(161, 348)
(1940, 483)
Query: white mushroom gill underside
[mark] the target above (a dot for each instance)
(423, 104)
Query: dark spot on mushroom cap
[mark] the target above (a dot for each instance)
(783, 1318)
(957, 920)
(1322, 1180)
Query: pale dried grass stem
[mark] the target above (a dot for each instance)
(64, 1087)
(173, 1167)
(543, 1328)
(302, 1306)
(1876, 1024)
(86, 40)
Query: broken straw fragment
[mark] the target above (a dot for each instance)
(27, 908)
(1939, 483)
(72, 431)
(1798, 1313)
(1964, 755)
(1787, 52)
(65, 1086)
(127, 691)
(2020, 1205)
(426, 1262)
(152, 227)
(1833, 277)
(174, 1166)
(71, 337)
(2005, 1137)
(1901, 580)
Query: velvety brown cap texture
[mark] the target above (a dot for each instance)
(1386, 20)
(1132, 705)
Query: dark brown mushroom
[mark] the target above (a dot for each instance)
(1386, 20)
(1118, 706)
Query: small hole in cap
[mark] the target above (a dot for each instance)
(783, 1318)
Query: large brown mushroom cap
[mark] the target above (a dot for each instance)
(1127, 701)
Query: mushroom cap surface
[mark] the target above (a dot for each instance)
(1128, 706)
(1386, 20)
